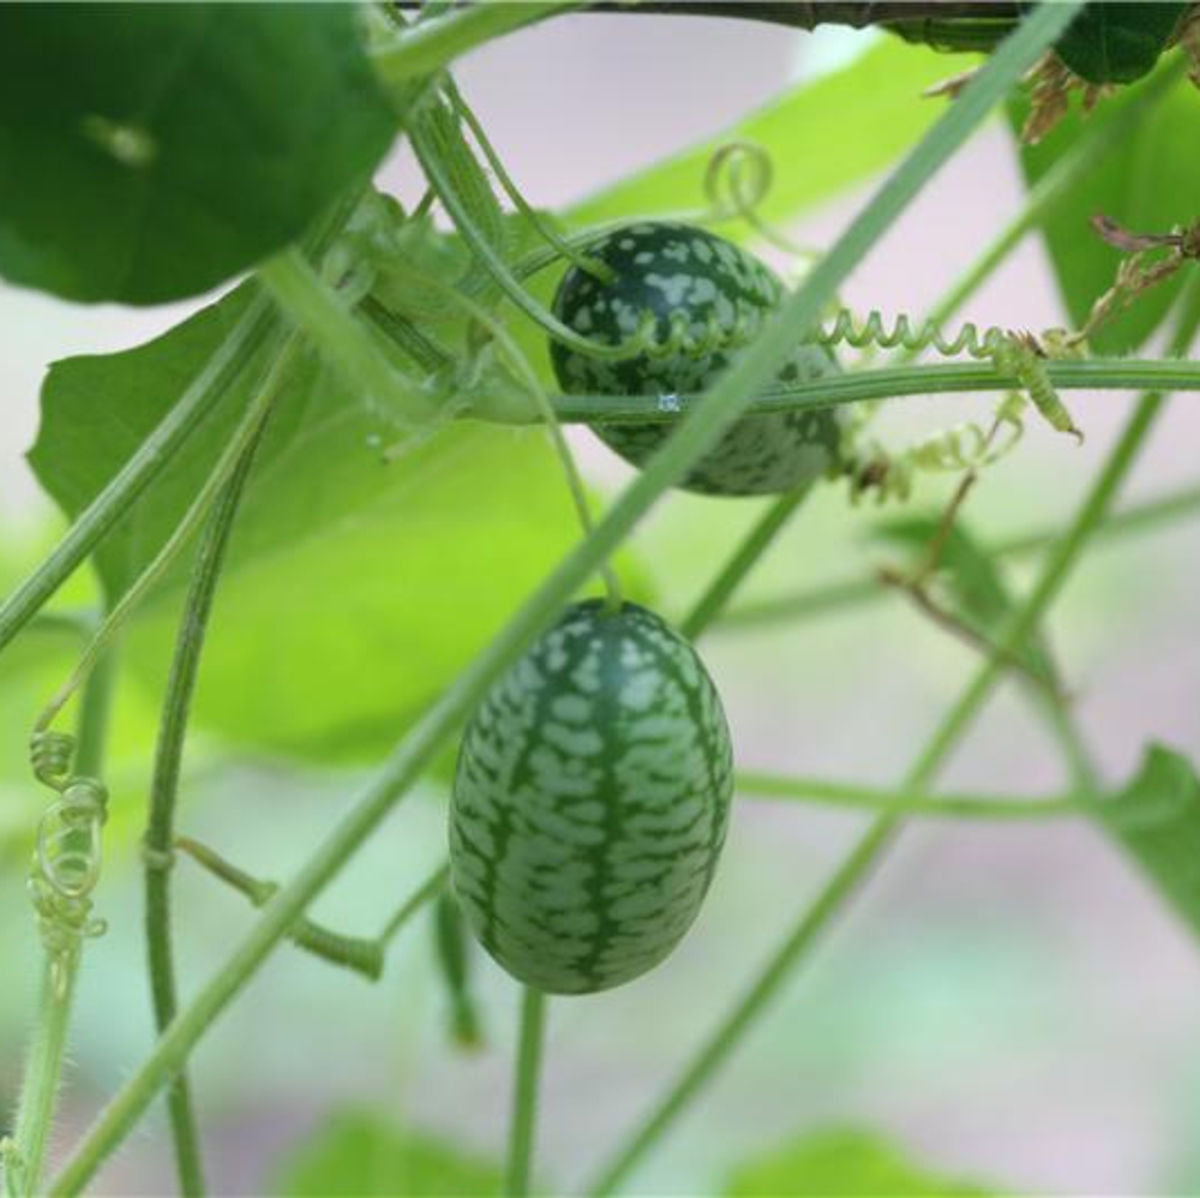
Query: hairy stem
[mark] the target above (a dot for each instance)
(246, 432)
(168, 759)
(43, 1067)
(342, 337)
(893, 382)
(525, 1093)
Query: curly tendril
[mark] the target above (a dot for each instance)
(1020, 356)
(50, 754)
(65, 870)
(737, 179)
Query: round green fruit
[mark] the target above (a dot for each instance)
(691, 279)
(591, 801)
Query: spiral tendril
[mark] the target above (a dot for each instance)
(737, 180)
(65, 870)
(50, 755)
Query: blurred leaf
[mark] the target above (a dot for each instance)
(355, 590)
(1115, 42)
(1147, 182)
(97, 410)
(357, 1153)
(151, 151)
(844, 1163)
(1156, 819)
(821, 136)
(972, 581)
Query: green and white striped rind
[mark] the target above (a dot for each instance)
(690, 278)
(591, 801)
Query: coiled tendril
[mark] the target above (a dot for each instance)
(65, 870)
(50, 755)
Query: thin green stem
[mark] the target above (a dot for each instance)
(906, 802)
(168, 760)
(893, 382)
(344, 339)
(424, 136)
(697, 433)
(853, 871)
(234, 356)
(562, 247)
(246, 432)
(428, 46)
(532, 384)
(756, 542)
(43, 1067)
(361, 954)
(525, 1094)
(429, 890)
(1144, 517)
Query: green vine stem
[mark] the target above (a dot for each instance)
(854, 870)
(1152, 514)
(342, 338)
(752, 784)
(168, 759)
(234, 356)
(43, 1066)
(360, 954)
(697, 433)
(428, 46)
(246, 433)
(861, 386)
(756, 542)
(525, 1093)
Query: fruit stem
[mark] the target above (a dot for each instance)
(525, 1093)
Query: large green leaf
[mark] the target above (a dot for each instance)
(98, 409)
(844, 1163)
(1156, 820)
(821, 137)
(1148, 182)
(151, 151)
(354, 590)
(358, 1153)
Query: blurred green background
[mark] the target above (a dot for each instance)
(1010, 1003)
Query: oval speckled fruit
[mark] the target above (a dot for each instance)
(591, 801)
(690, 277)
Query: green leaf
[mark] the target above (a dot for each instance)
(821, 137)
(152, 151)
(354, 590)
(97, 410)
(357, 1153)
(843, 1163)
(1147, 182)
(975, 591)
(1118, 42)
(1156, 820)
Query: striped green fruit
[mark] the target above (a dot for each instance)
(690, 279)
(591, 801)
